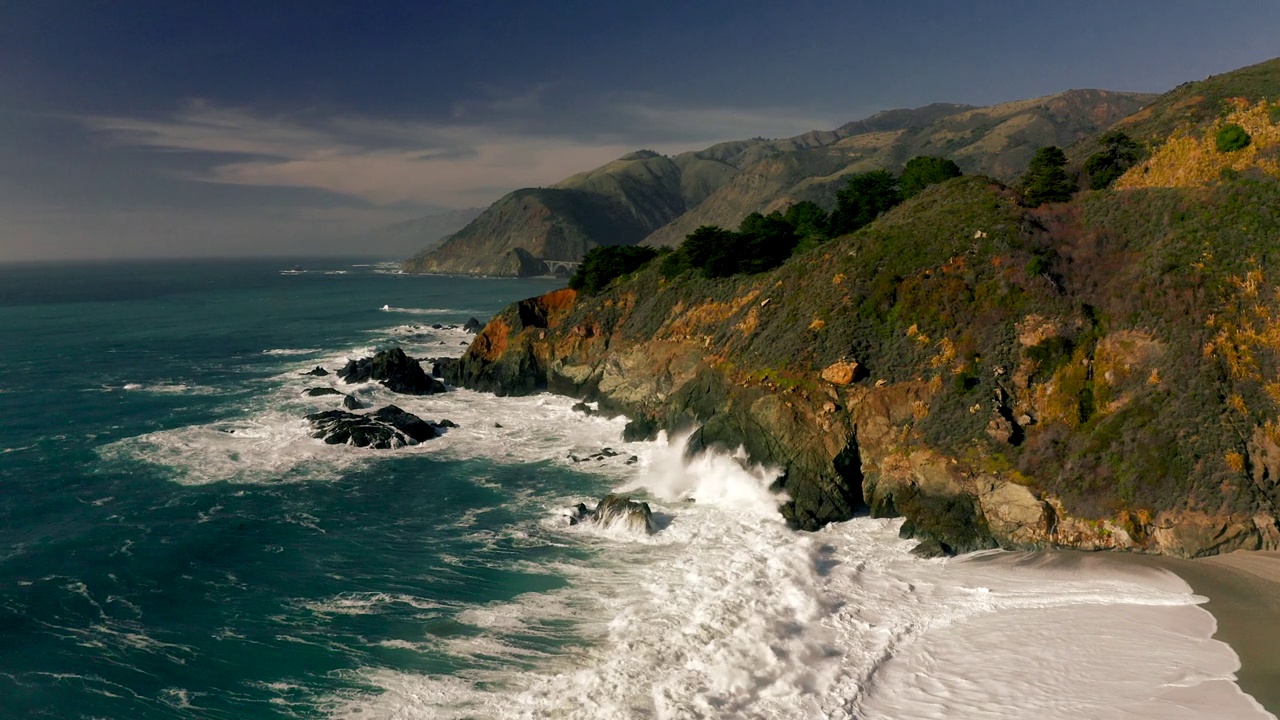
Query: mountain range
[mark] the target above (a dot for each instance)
(652, 199)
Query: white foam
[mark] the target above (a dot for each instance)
(289, 352)
(165, 388)
(727, 613)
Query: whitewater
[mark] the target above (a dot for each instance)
(443, 580)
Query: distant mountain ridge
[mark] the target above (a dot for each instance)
(648, 198)
(412, 236)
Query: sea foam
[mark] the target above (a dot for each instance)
(728, 613)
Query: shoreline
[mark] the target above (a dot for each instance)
(1243, 589)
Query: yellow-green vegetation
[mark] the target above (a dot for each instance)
(1246, 139)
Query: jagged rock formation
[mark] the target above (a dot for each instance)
(397, 371)
(616, 512)
(385, 429)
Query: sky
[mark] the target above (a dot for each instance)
(155, 128)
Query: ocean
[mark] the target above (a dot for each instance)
(175, 544)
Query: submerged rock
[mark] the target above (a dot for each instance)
(616, 511)
(317, 372)
(384, 429)
(395, 370)
(321, 391)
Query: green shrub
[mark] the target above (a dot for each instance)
(921, 172)
(1232, 137)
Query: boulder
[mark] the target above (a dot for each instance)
(447, 423)
(615, 511)
(841, 373)
(385, 429)
(395, 370)
(583, 408)
(351, 402)
(317, 372)
(473, 326)
(320, 392)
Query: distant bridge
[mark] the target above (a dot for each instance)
(562, 267)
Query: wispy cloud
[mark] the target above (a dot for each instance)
(481, 151)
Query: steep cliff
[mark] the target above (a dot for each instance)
(1058, 377)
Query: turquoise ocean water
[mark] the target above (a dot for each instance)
(128, 593)
(174, 544)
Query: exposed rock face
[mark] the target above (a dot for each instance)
(473, 325)
(397, 371)
(616, 512)
(385, 429)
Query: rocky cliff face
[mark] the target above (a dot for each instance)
(921, 368)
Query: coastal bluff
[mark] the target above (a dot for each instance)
(928, 367)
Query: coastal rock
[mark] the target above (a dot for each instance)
(395, 370)
(321, 391)
(384, 429)
(1015, 515)
(473, 326)
(616, 512)
(317, 372)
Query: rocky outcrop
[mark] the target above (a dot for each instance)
(473, 325)
(385, 429)
(395, 370)
(616, 512)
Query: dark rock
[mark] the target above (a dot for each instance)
(931, 548)
(350, 402)
(616, 511)
(397, 371)
(446, 423)
(640, 429)
(407, 423)
(633, 460)
(318, 372)
(497, 425)
(385, 429)
(608, 452)
(321, 391)
(437, 326)
(583, 408)
(473, 326)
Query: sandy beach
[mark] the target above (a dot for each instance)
(1243, 589)
(1244, 596)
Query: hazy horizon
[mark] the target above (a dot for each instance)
(234, 130)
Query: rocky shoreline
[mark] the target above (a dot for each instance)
(843, 445)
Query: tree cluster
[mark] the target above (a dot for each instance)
(602, 265)
(761, 243)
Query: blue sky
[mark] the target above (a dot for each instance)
(161, 128)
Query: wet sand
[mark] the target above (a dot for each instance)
(1244, 597)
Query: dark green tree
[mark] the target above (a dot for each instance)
(863, 199)
(1118, 153)
(811, 223)
(1046, 179)
(601, 265)
(764, 242)
(923, 171)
